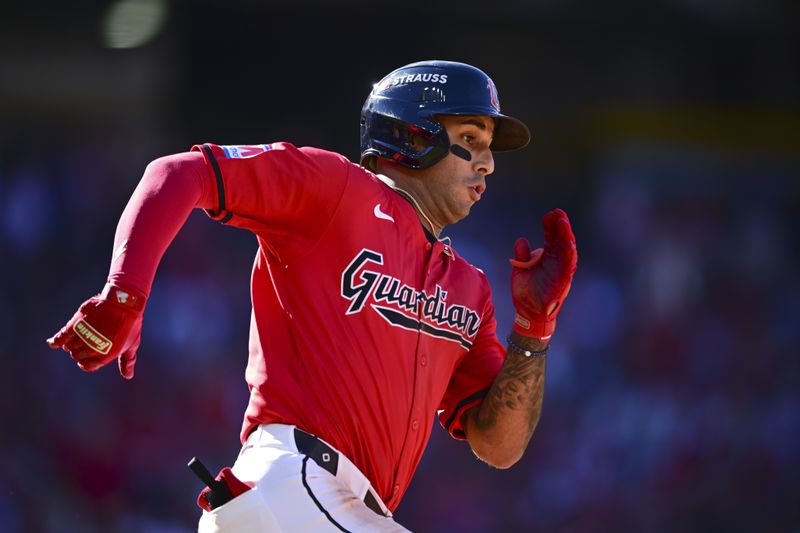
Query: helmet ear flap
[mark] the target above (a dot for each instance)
(406, 144)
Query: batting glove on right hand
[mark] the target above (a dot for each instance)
(105, 327)
(541, 279)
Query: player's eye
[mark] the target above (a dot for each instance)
(469, 139)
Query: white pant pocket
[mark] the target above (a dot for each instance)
(248, 512)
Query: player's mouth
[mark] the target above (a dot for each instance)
(476, 191)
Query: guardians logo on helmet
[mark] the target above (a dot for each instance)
(493, 94)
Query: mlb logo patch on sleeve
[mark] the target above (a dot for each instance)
(243, 151)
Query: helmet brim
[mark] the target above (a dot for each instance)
(509, 134)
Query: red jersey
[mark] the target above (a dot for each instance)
(364, 326)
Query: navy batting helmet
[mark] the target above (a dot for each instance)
(405, 103)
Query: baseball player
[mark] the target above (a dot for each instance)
(365, 323)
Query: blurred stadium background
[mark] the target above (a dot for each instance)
(669, 130)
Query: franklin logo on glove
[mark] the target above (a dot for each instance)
(92, 337)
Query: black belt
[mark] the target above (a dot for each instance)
(328, 459)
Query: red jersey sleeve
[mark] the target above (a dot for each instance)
(284, 194)
(473, 376)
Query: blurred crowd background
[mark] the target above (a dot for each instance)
(669, 131)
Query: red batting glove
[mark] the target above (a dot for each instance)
(232, 487)
(541, 279)
(106, 327)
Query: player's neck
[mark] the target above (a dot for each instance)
(405, 189)
(423, 217)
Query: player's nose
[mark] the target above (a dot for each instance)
(484, 163)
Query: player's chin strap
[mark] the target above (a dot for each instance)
(460, 151)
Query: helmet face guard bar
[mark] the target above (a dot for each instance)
(402, 109)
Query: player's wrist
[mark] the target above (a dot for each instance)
(523, 343)
(124, 295)
(526, 347)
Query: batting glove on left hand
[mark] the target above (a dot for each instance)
(105, 327)
(541, 279)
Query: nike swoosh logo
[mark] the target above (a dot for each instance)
(380, 214)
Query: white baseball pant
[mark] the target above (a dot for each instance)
(293, 492)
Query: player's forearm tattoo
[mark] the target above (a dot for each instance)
(516, 395)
